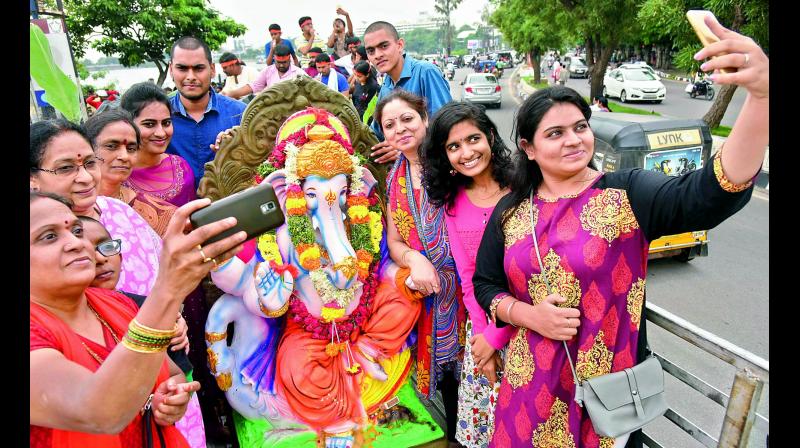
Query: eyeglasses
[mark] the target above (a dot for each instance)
(71, 170)
(109, 247)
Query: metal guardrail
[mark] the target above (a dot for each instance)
(752, 373)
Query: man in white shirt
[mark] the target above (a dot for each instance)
(281, 70)
(236, 71)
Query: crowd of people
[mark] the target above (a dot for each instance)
(116, 269)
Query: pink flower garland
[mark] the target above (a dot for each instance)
(298, 138)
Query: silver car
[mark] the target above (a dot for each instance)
(482, 88)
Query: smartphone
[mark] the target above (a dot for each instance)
(696, 19)
(256, 210)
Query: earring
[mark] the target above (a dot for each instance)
(453, 172)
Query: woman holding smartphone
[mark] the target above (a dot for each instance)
(593, 231)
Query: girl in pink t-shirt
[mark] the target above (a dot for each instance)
(466, 168)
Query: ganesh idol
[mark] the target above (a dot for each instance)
(320, 347)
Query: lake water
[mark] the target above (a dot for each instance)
(126, 77)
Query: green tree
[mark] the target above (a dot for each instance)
(603, 24)
(666, 20)
(144, 30)
(422, 41)
(444, 8)
(532, 27)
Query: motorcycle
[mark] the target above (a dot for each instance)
(700, 88)
(451, 73)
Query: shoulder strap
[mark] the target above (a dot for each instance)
(543, 276)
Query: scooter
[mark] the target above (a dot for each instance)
(451, 73)
(700, 88)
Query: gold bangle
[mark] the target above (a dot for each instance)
(403, 257)
(508, 312)
(277, 313)
(132, 345)
(152, 332)
(723, 181)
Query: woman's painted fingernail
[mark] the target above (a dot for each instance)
(696, 56)
(704, 67)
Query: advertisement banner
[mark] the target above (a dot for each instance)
(675, 162)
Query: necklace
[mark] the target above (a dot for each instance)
(113, 335)
(483, 198)
(590, 176)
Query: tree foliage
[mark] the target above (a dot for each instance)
(144, 30)
(666, 19)
(423, 41)
(533, 26)
(444, 8)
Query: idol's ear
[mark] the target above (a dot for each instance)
(278, 181)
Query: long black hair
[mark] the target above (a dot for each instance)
(527, 173)
(440, 185)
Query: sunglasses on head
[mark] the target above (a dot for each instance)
(109, 248)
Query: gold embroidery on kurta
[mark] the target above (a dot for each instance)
(518, 225)
(608, 215)
(519, 360)
(564, 283)
(554, 433)
(635, 301)
(606, 442)
(597, 361)
(726, 184)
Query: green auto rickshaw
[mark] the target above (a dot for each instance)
(671, 146)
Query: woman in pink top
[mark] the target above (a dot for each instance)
(166, 176)
(466, 168)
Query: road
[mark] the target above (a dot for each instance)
(677, 103)
(726, 293)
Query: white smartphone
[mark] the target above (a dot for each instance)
(696, 19)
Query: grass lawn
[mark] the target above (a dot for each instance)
(721, 131)
(529, 81)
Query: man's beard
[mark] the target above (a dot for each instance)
(195, 97)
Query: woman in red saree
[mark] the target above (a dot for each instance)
(417, 239)
(87, 388)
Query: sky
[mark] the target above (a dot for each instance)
(257, 15)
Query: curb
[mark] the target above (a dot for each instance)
(673, 77)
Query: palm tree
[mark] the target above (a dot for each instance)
(445, 7)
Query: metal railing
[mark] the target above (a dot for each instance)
(751, 375)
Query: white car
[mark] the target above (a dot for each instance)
(633, 85)
(641, 65)
(482, 88)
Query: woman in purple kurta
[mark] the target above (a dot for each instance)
(593, 233)
(171, 180)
